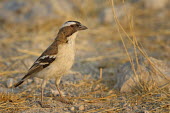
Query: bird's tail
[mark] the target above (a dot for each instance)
(19, 83)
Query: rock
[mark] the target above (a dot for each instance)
(72, 108)
(65, 109)
(10, 82)
(155, 4)
(146, 111)
(126, 80)
(106, 16)
(81, 107)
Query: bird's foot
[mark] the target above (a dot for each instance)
(44, 104)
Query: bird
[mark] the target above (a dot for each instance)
(57, 59)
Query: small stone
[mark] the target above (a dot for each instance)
(72, 108)
(126, 80)
(10, 82)
(145, 111)
(110, 92)
(29, 80)
(97, 87)
(65, 109)
(81, 107)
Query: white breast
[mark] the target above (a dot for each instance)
(64, 60)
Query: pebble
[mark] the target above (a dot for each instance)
(110, 92)
(81, 107)
(9, 82)
(65, 109)
(29, 80)
(72, 108)
(145, 111)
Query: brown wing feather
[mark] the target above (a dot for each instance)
(36, 67)
(51, 50)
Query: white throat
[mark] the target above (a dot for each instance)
(71, 39)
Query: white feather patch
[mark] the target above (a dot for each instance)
(67, 24)
(43, 63)
(44, 56)
(52, 56)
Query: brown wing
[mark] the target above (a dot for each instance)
(46, 58)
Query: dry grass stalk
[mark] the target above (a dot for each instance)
(101, 73)
(136, 47)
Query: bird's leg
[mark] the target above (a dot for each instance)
(43, 105)
(62, 99)
(42, 93)
(57, 82)
(42, 89)
(59, 91)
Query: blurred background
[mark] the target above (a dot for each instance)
(28, 27)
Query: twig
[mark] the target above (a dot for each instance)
(101, 73)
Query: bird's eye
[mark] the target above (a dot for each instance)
(72, 25)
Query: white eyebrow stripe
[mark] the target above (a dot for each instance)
(67, 24)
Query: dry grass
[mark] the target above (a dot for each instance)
(138, 51)
(10, 102)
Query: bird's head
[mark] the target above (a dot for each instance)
(71, 27)
(75, 25)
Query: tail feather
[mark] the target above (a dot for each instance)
(19, 83)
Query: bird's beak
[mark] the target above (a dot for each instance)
(82, 27)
